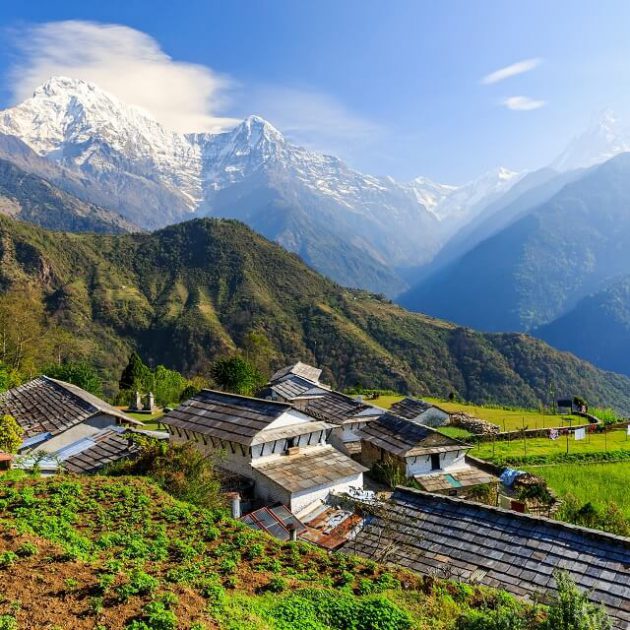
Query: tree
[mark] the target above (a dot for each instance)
(10, 434)
(136, 374)
(168, 385)
(78, 373)
(258, 350)
(572, 610)
(237, 375)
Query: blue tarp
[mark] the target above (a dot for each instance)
(509, 475)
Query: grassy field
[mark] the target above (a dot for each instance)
(595, 483)
(507, 419)
(613, 441)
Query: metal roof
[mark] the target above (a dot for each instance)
(404, 438)
(312, 467)
(309, 372)
(429, 533)
(108, 446)
(225, 416)
(276, 521)
(46, 405)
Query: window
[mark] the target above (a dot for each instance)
(435, 461)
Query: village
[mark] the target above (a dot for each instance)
(302, 461)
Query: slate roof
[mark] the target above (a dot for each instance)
(335, 407)
(404, 438)
(46, 405)
(225, 416)
(107, 447)
(411, 408)
(87, 454)
(466, 477)
(309, 372)
(317, 466)
(431, 533)
(294, 386)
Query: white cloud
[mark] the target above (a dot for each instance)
(125, 62)
(315, 119)
(511, 71)
(522, 103)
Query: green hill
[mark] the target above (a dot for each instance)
(31, 198)
(189, 293)
(597, 328)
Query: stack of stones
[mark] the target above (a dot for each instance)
(473, 424)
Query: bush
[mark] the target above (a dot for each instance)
(571, 609)
(8, 622)
(26, 549)
(156, 616)
(7, 558)
(378, 613)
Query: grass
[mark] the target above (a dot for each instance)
(150, 420)
(506, 419)
(455, 432)
(595, 443)
(598, 484)
(119, 553)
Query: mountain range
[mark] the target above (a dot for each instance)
(358, 229)
(507, 251)
(189, 293)
(548, 259)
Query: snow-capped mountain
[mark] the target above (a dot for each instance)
(455, 206)
(341, 221)
(606, 137)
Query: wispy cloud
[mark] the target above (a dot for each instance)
(182, 96)
(126, 62)
(314, 119)
(511, 71)
(522, 103)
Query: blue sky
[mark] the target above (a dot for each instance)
(392, 87)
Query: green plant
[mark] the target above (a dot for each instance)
(572, 610)
(8, 622)
(10, 434)
(7, 558)
(277, 584)
(26, 549)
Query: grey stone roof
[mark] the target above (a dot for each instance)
(334, 407)
(312, 467)
(309, 372)
(404, 438)
(109, 446)
(225, 416)
(294, 386)
(46, 405)
(410, 408)
(291, 430)
(433, 534)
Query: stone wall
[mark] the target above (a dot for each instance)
(473, 424)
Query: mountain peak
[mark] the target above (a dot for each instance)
(605, 137)
(61, 84)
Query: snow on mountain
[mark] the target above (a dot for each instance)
(606, 137)
(455, 206)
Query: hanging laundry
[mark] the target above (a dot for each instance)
(580, 434)
(553, 434)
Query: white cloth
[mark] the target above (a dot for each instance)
(580, 434)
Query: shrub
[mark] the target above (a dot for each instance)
(156, 616)
(26, 549)
(571, 609)
(140, 583)
(10, 434)
(7, 558)
(8, 622)
(378, 613)
(277, 584)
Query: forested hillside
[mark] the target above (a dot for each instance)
(190, 293)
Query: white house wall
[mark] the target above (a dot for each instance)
(300, 501)
(421, 465)
(289, 418)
